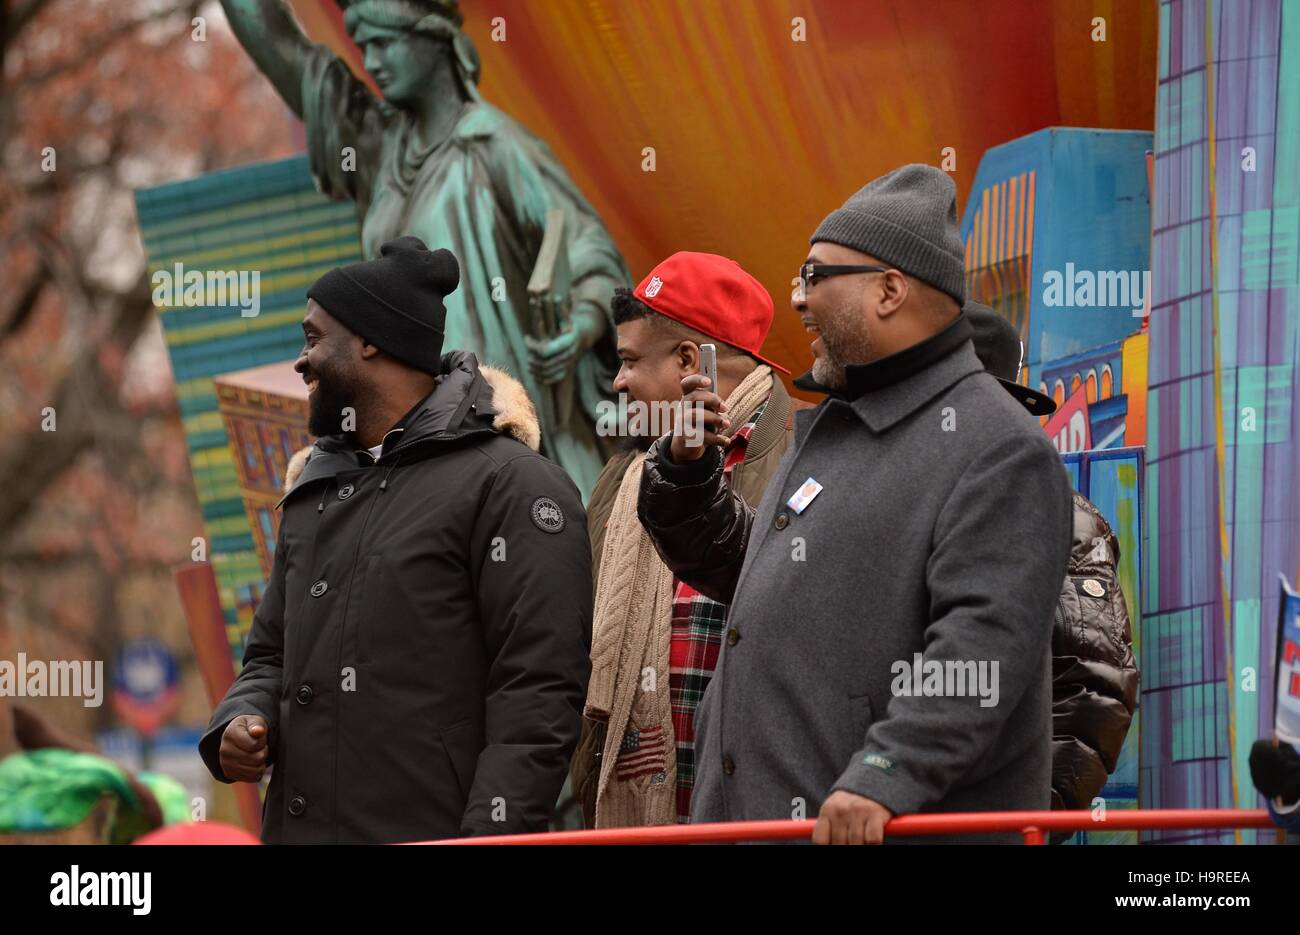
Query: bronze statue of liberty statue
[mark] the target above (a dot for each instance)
(434, 160)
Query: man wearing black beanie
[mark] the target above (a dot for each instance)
(393, 306)
(418, 662)
(887, 644)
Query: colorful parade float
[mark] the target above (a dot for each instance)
(1130, 204)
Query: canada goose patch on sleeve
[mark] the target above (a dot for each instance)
(547, 515)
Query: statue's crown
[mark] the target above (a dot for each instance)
(448, 8)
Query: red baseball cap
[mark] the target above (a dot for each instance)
(713, 295)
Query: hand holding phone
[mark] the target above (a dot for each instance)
(702, 421)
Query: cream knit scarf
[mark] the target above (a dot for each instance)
(631, 631)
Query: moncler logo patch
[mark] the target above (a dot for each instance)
(547, 515)
(653, 287)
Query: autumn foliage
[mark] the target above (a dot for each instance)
(99, 98)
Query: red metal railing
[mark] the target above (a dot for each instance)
(1033, 826)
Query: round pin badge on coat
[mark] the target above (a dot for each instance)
(547, 515)
(1093, 587)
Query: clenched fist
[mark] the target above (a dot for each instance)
(846, 818)
(243, 748)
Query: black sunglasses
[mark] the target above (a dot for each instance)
(810, 273)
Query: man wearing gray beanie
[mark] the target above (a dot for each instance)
(891, 597)
(902, 226)
(418, 662)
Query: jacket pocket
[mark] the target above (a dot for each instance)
(1089, 607)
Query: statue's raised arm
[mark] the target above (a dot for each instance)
(271, 36)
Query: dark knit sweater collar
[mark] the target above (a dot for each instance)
(866, 378)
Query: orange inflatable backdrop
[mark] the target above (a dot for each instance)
(764, 115)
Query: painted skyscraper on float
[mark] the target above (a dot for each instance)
(1223, 446)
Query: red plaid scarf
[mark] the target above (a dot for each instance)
(693, 650)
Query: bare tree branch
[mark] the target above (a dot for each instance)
(92, 51)
(86, 408)
(30, 294)
(72, 173)
(13, 21)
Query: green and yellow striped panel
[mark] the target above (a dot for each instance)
(266, 233)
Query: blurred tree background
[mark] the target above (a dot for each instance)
(98, 98)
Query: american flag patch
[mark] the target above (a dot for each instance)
(641, 752)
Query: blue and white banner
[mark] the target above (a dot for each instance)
(1286, 713)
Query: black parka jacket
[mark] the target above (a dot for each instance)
(421, 651)
(1094, 674)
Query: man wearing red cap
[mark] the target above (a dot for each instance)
(655, 639)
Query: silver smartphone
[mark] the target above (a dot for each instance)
(709, 365)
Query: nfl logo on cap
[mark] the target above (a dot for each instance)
(713, 295)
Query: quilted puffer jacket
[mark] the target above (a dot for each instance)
(1094, 674)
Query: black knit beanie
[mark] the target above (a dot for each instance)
(395, 301)
(908, 219)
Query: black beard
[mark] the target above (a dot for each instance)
(325, 409)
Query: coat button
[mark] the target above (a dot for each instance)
(782, 521)
(728, 765)
(733, 636)
(346, 491)
(319, 588)
(304, 694)
(297, 805)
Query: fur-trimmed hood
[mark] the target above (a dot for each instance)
(508, 405)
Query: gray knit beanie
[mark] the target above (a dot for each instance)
(907, 219)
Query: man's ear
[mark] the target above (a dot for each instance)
(687, 356)
(894, 288)
(368, 350)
